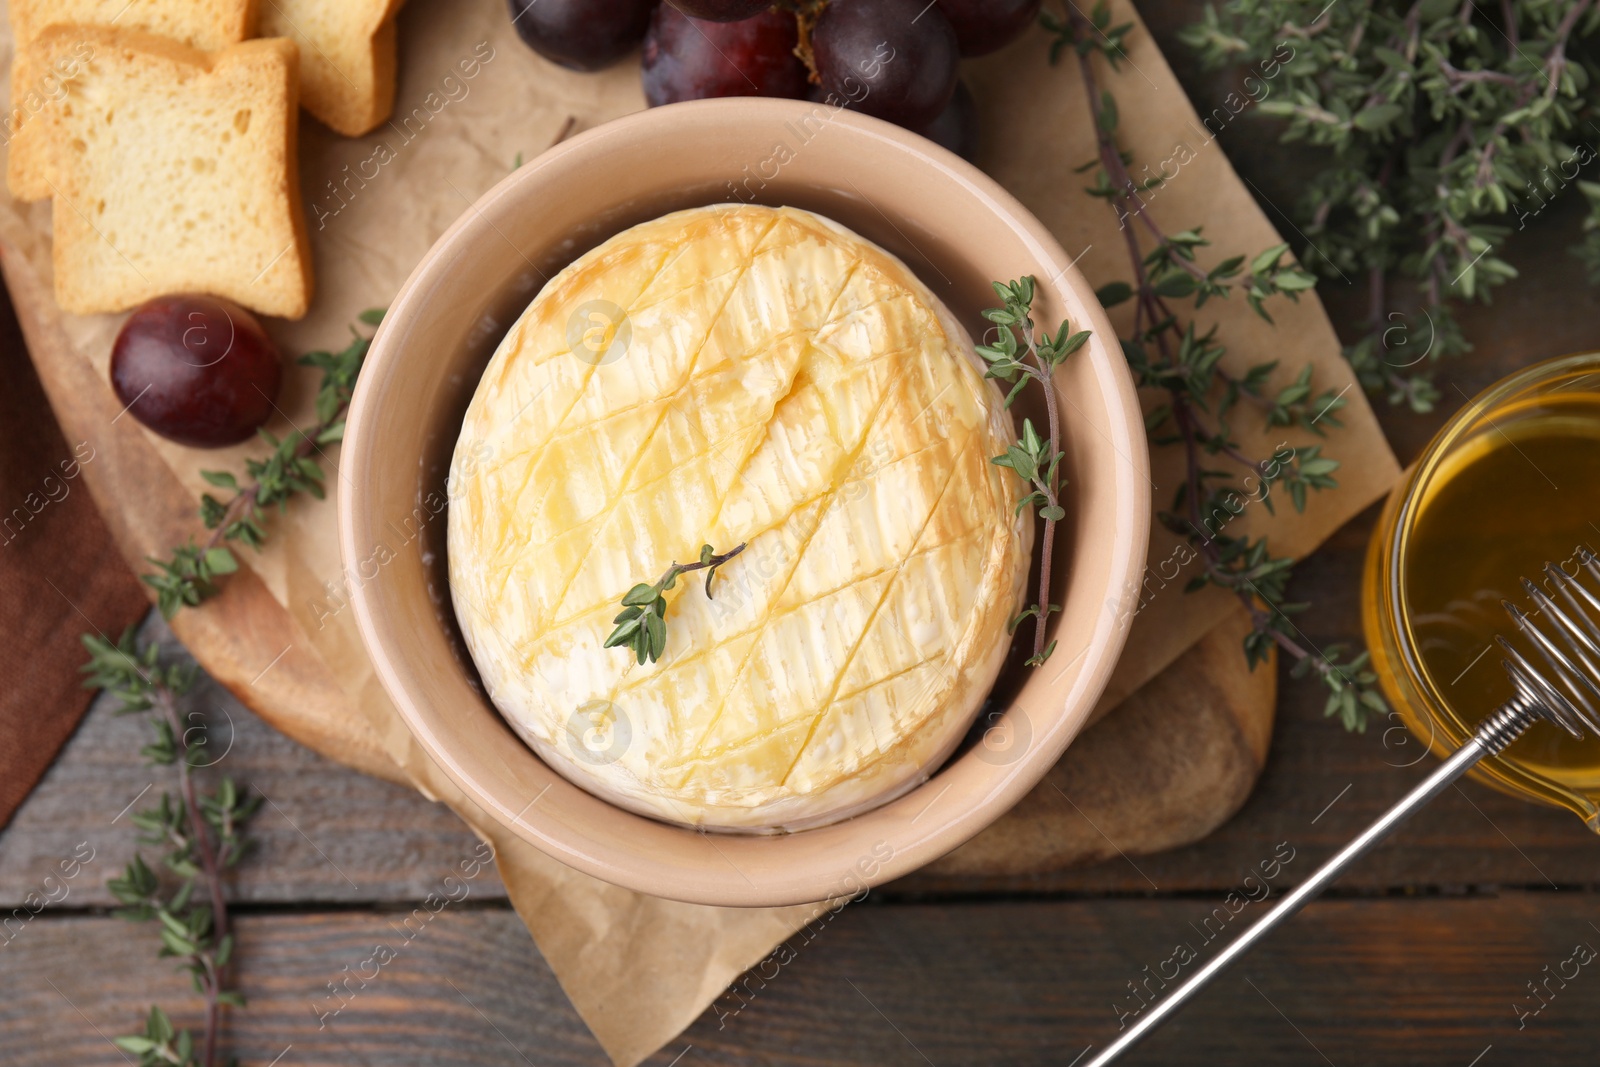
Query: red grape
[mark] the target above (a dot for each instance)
(721, 10)
(956, 128)
(196, 369)
(895, 59)
(581, 34)
(692, 59)
(983, 25)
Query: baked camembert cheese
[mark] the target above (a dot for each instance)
(729, 375)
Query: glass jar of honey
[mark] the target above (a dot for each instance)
(1511, 482)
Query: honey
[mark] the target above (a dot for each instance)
(1511, 484)
(1507, 502)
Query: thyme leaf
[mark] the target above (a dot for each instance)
(642, 624)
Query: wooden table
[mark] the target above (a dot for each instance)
(1420, 956)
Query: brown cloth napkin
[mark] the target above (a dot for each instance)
(60, 575)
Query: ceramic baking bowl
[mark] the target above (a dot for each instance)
(957, 230)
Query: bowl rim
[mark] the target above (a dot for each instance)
(1128, 540)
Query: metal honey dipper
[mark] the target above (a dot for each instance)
(1565, 693)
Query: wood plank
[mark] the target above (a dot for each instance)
(337, 836)
(1391, 981)
(1397, 980)
(328, 833)
(57, 1009)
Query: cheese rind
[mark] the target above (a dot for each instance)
(725, 375)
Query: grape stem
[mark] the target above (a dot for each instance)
(805, 17)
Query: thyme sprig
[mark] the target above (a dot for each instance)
(189, 576)
(1170, 352)
(202, 834)
(1019, 355)
(642, 625)
(1439, 124)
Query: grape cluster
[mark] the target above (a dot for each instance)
(894, 59)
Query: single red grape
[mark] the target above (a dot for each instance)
(956, 128)
(692, 59)
(984, 25)
(197, 370)
(721, 10)
(895, 59)
(581, 34)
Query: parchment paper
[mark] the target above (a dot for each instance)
(471, 98)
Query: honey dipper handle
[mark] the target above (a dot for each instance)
(1491, 737)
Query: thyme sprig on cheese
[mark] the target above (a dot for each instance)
(642, 625)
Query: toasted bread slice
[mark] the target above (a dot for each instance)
(204, 24)
(173, 170)
(347, 57)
